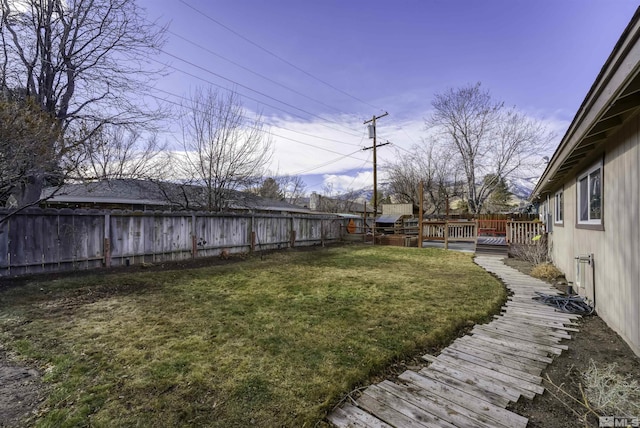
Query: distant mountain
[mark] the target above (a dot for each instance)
(522, 187)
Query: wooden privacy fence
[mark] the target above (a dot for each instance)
(55, 240)
(492, 227)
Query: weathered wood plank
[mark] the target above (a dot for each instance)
(433, 403)
(508, 348)
(557, 335)
(473, 378)
(530, 332)
(555, 315)
(386, 413)
(514, 341)
(524, 314)
(528, 321)
(520, 374)
(495, 355)
(525, 388)
(541, 342)
(414, 416)
(350, 416)
(512, 325)
(537, 309)
(481, 411)
(537, 340)
(479, 393)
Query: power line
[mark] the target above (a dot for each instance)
(246, 87)
(267, 122)
(268, 79)
(247, 96)
(277, 56)
(274, 134)
(354, 178)
(304, 171)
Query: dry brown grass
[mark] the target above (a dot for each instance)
(546, 271)
(609, 393)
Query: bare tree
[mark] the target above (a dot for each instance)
(116, 152)
(487, 137)
(293, 187)
(224, 149)
(83, 62)
(430, 165)
(333, 202)
(24, 133)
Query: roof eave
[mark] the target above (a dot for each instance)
(614, 96)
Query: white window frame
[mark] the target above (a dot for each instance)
(542, 211)
(585, 179)
(558, 207)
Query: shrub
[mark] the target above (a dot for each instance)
(545, 271)
(610, 393)
(534, 253)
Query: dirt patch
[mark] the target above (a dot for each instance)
(563, 378)
(21, 393)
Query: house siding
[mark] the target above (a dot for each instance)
(616, 249)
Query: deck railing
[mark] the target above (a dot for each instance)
(523, 232)
(450, 231)
(434, 230)
(462, 231)
(516, 232)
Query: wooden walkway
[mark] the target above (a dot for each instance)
(473, 380)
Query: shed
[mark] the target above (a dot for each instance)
(390, 223)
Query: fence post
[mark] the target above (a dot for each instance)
(252, 235)
(106, 249)
(420, 216)
(194, 238)
(476, 232)
(292, 234)
(446, 235)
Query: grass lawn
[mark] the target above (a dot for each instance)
(272, 342)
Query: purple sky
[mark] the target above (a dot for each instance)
(541, 56)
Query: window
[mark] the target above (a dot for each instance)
(559, 207)
(542, 209)
(590, 196)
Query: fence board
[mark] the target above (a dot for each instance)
(51, 240)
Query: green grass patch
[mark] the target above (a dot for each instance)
(273, 342)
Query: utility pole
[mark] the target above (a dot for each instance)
(375, 169)
(375, 160)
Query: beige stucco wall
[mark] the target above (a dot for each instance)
(616, 250)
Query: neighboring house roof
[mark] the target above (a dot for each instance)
(332, 204)
(613, 97)
(389, 218)
(128, 192)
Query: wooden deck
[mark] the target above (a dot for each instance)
(473, 380)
